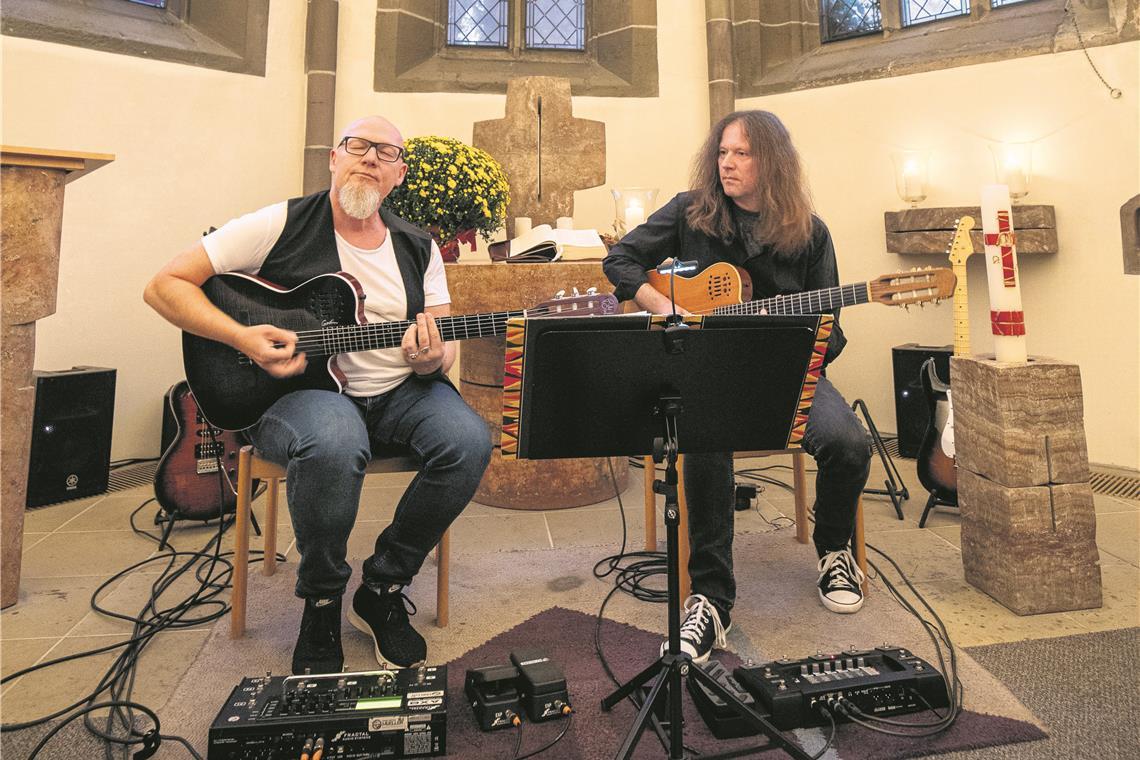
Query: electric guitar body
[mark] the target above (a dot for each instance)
(937, 469)
(190, 482)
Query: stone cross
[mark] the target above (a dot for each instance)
(545, 152)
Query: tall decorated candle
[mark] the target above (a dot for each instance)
(1007, 321)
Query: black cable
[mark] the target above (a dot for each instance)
(518, 738)
(822, 710)
(98, 706)
(552, 742)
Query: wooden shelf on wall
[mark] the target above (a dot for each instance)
(924, 231)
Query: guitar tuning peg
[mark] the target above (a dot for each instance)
(560, 294)
(576, 293)
(591, 291)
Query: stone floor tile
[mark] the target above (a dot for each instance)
(518, 531)
(161, 667)
(922, 554)
(1103, 503)
(17, 654)
(973, 618)
(1120, 590)
(49, 606)
(595, 527)
(1119, 535)
(100, 554)
(50, 517)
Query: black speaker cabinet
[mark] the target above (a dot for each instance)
(71, 434)
(911, 414)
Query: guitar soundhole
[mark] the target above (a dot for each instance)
(719, 286)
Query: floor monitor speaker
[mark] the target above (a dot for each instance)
(71, 434)
(911, 413)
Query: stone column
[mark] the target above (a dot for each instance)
(31, 191)
(722, 76)
(1028, 524)
(320, 75)
(523, 483)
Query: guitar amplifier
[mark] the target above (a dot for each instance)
(70, 453)
(911, 413)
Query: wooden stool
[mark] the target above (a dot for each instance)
(251, 466)
(799, 492)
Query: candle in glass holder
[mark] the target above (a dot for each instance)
(634, 214)
(912, 183)
(1007, 321)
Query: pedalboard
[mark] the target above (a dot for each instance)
(397, 713)
(884, 681)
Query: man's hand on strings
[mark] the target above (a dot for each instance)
(272, 349)
(422, 345)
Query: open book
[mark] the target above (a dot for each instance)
(545, 243)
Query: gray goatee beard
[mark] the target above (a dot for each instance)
(359, 200)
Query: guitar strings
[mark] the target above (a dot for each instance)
(338, 338)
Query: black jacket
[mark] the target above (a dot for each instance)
(666, 234)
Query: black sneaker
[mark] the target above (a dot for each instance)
(840, 582)
(318, 644)
(384, 617)
(702, 629)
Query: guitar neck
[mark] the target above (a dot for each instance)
(808, 302)
(961, 312)
(339, 339)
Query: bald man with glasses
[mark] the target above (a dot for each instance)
(393, 397)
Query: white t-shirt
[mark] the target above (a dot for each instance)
(242, 244)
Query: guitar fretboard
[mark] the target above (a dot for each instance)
(339, 339)
(809, 302)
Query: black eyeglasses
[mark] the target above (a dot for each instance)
(358, 146)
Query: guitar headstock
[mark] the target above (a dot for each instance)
(591, 303)
(960, 246)
(915, 286)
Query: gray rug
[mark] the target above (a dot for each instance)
(1085, 688)
(496, 599)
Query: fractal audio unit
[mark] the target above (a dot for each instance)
(394, 713)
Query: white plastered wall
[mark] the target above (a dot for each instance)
(196, 147)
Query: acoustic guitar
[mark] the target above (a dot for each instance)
(327, 314)
(937, 470)
(189, 482)
(727, 289)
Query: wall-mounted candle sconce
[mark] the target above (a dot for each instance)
(911, 175)
(1013, 167)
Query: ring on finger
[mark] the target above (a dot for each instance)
(414, 355)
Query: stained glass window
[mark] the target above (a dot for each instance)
(481, 23)
(920, 11)
(840, 19)
(559, 24)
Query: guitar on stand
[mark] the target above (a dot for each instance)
(198, 467)
(937, 470)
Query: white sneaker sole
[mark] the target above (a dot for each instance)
(359, 624)
(842, 609)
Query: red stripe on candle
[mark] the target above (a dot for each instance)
(1007, 322)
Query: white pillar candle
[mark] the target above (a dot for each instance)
(1007, 322)
(634, 214)
(912, 183)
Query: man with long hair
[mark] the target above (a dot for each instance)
(749, 206)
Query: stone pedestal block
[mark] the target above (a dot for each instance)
(523, 484)
(1019, 424)
(1033, 549)
(1028, 524)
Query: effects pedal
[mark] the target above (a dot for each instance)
(887, 680)
(542, 686)
(724, 721)
(494, 696)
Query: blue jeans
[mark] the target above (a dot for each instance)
(842, 451)
(325, 440)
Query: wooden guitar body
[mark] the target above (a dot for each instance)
(721, 284)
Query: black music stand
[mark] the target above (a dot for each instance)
(608, 386)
